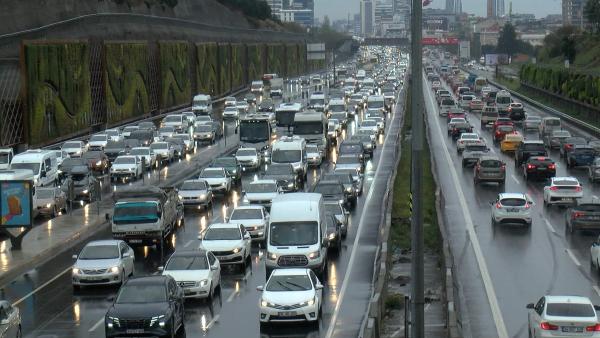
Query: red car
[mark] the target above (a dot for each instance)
(501, 131)
(456, 112)
(502, 121)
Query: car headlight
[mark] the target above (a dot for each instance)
(272, 256)
(234, 171)
(99, 163)
(49, 205)
(331, 236)
(314, 255)
(203, 196)
(236, 250)
(180, 197)
(290, 185)
(158, 319)
(112, 321)
(203, 283)
(76, 271)
(84, 191)
(114, 269)
(309, 302)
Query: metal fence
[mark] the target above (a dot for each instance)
(11, 105)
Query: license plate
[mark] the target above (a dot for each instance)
(135, 241)
(594, 218)
(287, 314)
(512, 210)
(572, 329)
(541, 169)
(134, 331)
(566, 199)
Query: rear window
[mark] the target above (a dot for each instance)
(592, 207)
(513, 202)
(552, 122)
(447, 102)
(566, 182)
(505, 128)
(533, 146)
(570, 310)
(491, 164)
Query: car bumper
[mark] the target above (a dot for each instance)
(46, 210)
(122, 174)
(236, 258)
(303, 314)
(258, 234)
(513, 219)
(585, 224)
(563, 199)
(315, 160)
(101, 279)
(195, 202)
(116, 331)
(196, 292)
(542, 174)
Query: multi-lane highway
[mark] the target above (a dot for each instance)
(501, 269)
(51, 308)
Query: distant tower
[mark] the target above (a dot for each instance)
(501, 10)
(491, 8)
(458, 7)
(510, 9)
(450, 6)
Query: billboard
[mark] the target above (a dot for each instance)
(16, 205)
(465, 50)
(435, 23)
(315, 51)
(440, 41)
(496, 59)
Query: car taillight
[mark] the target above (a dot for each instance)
(568, 146)
(527, 205)
(593, 328)
(530, 166)
(578, 189)
(552, 166)
(477, 168)
(577, 214)
(498, 205)
(461, 141)
(498, 132)
(554, 188)
(548, 326)
(503, 167)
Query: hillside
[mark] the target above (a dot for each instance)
(587, 53)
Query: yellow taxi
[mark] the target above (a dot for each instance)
(511, 141)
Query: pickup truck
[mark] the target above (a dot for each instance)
(146, 215)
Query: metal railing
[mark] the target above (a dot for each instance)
(11, 105)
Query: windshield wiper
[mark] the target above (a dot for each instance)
(284, 286)
(296, 285)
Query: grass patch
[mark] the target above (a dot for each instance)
(400, 234)
(394, 301)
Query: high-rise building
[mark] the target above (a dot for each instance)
(500, 8)
(572, 13)
(450, 6)
(384, 15)
(276, 7)
(367, 18)
(495, 8)
(357, 29)
(299, 11)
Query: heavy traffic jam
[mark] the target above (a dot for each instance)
(541, 172)
(283, 196)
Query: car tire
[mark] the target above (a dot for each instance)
(464, 164)
(493, 221)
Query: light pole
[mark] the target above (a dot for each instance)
(416, 175)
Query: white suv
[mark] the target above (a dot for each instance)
(562, 190)
(198, 272)
(230, 243)
(254, 218)
(217, 179)
(513, 208)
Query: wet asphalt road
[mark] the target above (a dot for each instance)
(523, 264)
(50, 308)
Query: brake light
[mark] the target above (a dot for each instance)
(548, 326)
(568, 146)
(552, 166)
(503, 167)
(527, 205)
(477, 168)
(530, 166)
(578, 188)
(554, 188)
(577, 214)
(498, 205)
(593, 328)
(498, 132)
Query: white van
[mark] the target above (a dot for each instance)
(548, 125)
(257, 87)
(42, 163)
(291, 150)
(6, 155)
(317, 101)
(297, 234)
(202, 104)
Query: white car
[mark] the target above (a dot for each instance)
(166, 132)
(248, 158)
(242, 106)
(176, 121)
(114, 135)
(74, 148)
(163, 151)
(149, 157)
(512, 208)
(562, 190)
(562, 317)
(103, 262)
(254, 218)
(261, 192)
(454, 121)
(468, 139)
(231, 112)
(127, 130)
(98, 142)
(198, 272)
(217, 179)
(126, 167)
(313, 155)
(230, 101)
(190, 145)
(291, 295)
(189, 116)
(203, 119)
(370, 125)
(230, 243)
(196, 193)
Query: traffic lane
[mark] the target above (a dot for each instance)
(514, 255)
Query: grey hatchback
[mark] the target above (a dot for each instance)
(489, 169)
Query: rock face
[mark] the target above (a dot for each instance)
(19, 15)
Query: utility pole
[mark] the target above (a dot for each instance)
(416, 175)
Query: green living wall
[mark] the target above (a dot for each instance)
(580, 87)
(255, 61)
(291, 58)
(302, 58)
(175, 74)
(275, 58)
(224, 68)
(127, 80)
(238, 65)
(58, 90)
(207, 68)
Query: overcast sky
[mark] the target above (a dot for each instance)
(339, 9)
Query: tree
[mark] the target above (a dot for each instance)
(326, 23)
(592, 14)
(507, 42)
(567, 47)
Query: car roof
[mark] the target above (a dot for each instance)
(533, 142)
(224, 226)
(568, 299)
(511, 195)
(104, 242)
(155, 279)
(263, 181)
(189, 253)
(288, 272)
(564, 178)
(489, 157)
(247, 206)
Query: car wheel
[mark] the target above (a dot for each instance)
(54, 211)
(19, 333)
(464, 164)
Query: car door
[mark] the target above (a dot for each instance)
(176, 299)
(246, 238)
(126, 256)
(214, 264)
(315, 282)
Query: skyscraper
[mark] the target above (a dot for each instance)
(500, 8)
(276, 7)
(450, 6)
(367, 17)
(572, 13)
(491, 8)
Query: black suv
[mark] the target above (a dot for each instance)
(352, 148)
(540, 167)
(284, 175)
(331, 190)
(350, 188)
(527, 149)
(147, 306)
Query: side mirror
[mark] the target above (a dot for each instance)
(161, 268)
(126, 255)
(259, 288)
(597, 307)
(213, 267)
(531, 306)
(247, 236)
(74, 256)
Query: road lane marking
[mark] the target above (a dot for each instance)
(595, 197)
(188, 243)
(514, 178)
(361, 222)
(597, 289)
(42, 286)
(485, 275)
(98, 323)
(549, 225)
(232, 296)
(572, 255)
(247, 274)
(213, 321)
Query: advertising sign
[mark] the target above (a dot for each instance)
(315, 51)
(435, 23)
(440, 41)
(495, 59)
(16, 204)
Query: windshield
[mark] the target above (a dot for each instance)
(374, 104)
(159, 146)
(503, 99)
(135, 213)
(254, 131)
(198, 262)
(293, 233)
(286, 156)
(329, 189)
(246, 152)
(124, 160)
(98, 138)
(308, 128)
(45, 193)
(173, 119)
(347, 160)
(351, 148)
(317, 101)
(212, 173)
(201, 102)
(35, 167)
(194, 185)
(570, 310)
(222, 234)
(289, 283)
(142, 293)
(278, 170)
(552, 122)
(130, 128)
(100, 252)
(71, 145)
(115, 145)
(261, 187)
(337, 108)
(4, 158)
(240, 214)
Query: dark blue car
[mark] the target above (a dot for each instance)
(581, 155)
